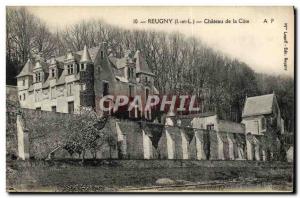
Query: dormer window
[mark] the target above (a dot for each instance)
(130, 73)
(70, 69)
(38, 77)
(52, 73)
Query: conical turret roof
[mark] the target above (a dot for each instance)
(85, 55)
(27, 69)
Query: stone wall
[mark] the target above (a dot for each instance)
(48, 132)
(11, 128)
(134, 139)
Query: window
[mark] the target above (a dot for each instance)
(53, 73)
(38, 77)
(210, 127)
(69, 89)
(105, 88)
(147, 94)
(70, 69)
(20, 97)
(131, 90)
(128, 73)
(23, 96)
(81, 66)
(53, 108)
(263, 123)
(38, 108)
(101, 54)
(71, 107)
(146, 78)
(23, 82)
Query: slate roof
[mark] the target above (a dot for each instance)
(27, 69)
(92, 51)
(117, 64)
(46, 84)
(258, 105)
(141, 64)
(61, 80)
(85, 57)
(231, 127)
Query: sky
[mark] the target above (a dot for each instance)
(259, 43)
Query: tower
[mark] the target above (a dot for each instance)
(145, 77)
(86, 73)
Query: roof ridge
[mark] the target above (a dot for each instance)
(260, 95)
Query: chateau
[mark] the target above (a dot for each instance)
(80, 79)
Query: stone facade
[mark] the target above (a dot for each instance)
(80, 79)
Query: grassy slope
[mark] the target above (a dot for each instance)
(66, 177)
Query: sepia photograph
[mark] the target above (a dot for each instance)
(140, 99)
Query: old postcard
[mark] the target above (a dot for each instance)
(150, 99)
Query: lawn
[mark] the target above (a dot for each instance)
(130, 174)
